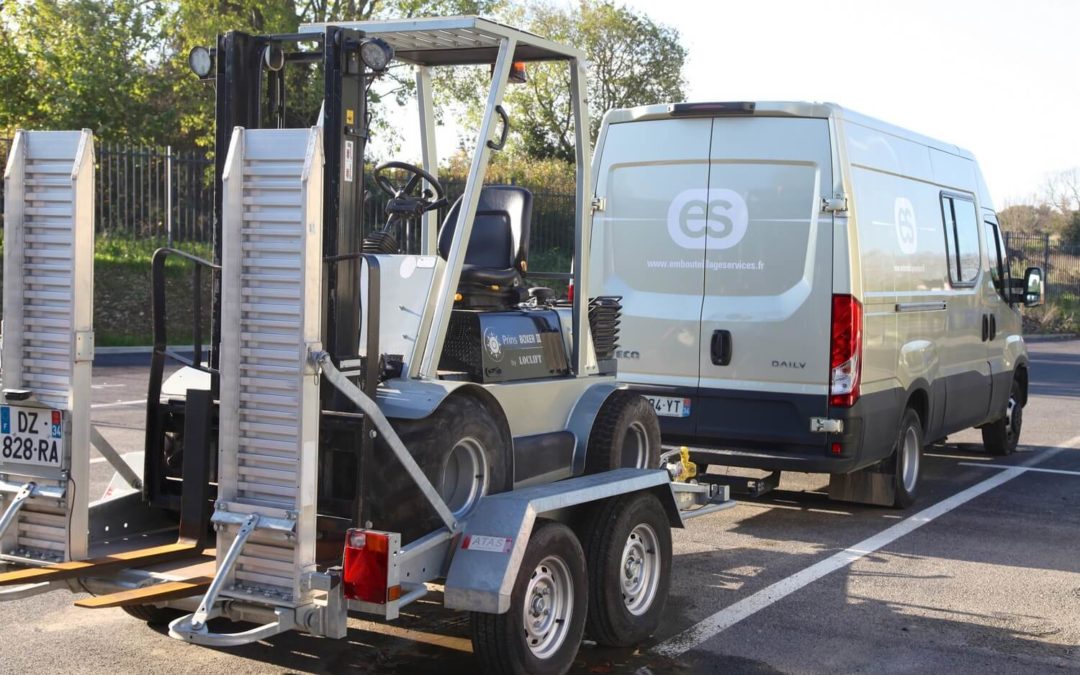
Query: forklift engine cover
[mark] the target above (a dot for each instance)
(506, 346)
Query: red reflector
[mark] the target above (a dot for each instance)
(367, 559)
(845, 351)
(836, 449)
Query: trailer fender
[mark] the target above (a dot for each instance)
(581, 420)
(486, 558)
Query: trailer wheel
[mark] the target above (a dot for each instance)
(628, 551)
(542, 631)
(155, 616)
(1001, 436)
(460, 449)
(905, 464)
(626, 433)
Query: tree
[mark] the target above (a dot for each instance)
(1071, 235)
(69, 64)
(632, 61)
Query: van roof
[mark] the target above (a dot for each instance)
(775, 109)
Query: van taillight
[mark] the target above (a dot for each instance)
(570, 291)
(845, 352)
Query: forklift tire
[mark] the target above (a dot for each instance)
(541, 632)
(626, 433)
(155, 616)
(628, 552)
(460, 448)
(1001, 436)
(905, 464)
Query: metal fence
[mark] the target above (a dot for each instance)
(1060, 262)
(154, 193)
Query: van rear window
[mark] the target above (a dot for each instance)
(961, 238)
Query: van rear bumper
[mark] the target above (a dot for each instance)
(769, 442)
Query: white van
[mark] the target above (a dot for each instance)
(808, 289)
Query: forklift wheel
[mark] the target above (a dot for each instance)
(542, 630)
(628, 548)
(626, 433)
(155, 616)
(460, 449)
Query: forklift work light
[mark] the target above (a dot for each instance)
(376, 54)
(201, 61)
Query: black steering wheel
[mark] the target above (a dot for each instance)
(418, 204)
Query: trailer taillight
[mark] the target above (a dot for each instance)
(845, 351)
(367, 565)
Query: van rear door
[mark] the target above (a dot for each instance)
(765, 320)
(642, 166)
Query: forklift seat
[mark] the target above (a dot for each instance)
(498, 248)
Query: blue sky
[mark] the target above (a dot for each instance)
(1000, 78)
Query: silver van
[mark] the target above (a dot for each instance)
(808, 289)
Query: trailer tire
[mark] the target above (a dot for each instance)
(905, 463)
(155, 616)
(542, 631)
(626, 433)
(1001, 436)
(459, 447)
(628, 551)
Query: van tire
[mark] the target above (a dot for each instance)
(626, 433)
(462, 432)
(553, 575)
(906, 461)
(1001, 436)
(631, 530)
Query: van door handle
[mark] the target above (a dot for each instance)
(721, 347)
(985, 327)
(993, 326)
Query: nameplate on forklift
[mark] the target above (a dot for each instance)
(31, 435)
(484, 542)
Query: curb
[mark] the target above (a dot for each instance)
(1055, 337)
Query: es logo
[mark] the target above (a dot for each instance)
(699, 218)
(907, 234)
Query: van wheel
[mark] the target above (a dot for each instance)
(155, 616)
(626, 433)
(460, 449)
(906, 459)
(1001, 436)
(628, 551)
(542, 630)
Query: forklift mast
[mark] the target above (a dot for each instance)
(251, 93)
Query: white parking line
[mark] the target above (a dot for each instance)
(118, 404)
(733, 614)
(1025, 469)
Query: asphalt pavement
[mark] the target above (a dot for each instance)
(981, 575)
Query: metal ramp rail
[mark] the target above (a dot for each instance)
(265, 514)
(48, 348)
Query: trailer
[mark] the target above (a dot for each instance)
(369, 415)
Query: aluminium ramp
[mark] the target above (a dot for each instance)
(271, 315)
(48, 344)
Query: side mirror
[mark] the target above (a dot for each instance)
(1033, 287)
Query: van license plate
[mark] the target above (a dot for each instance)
(670, 406)
(31, 435)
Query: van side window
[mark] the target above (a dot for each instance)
(961, 238)
(999, 268)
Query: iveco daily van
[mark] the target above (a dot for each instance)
(805, 288)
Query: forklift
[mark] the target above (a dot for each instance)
(373, 413)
